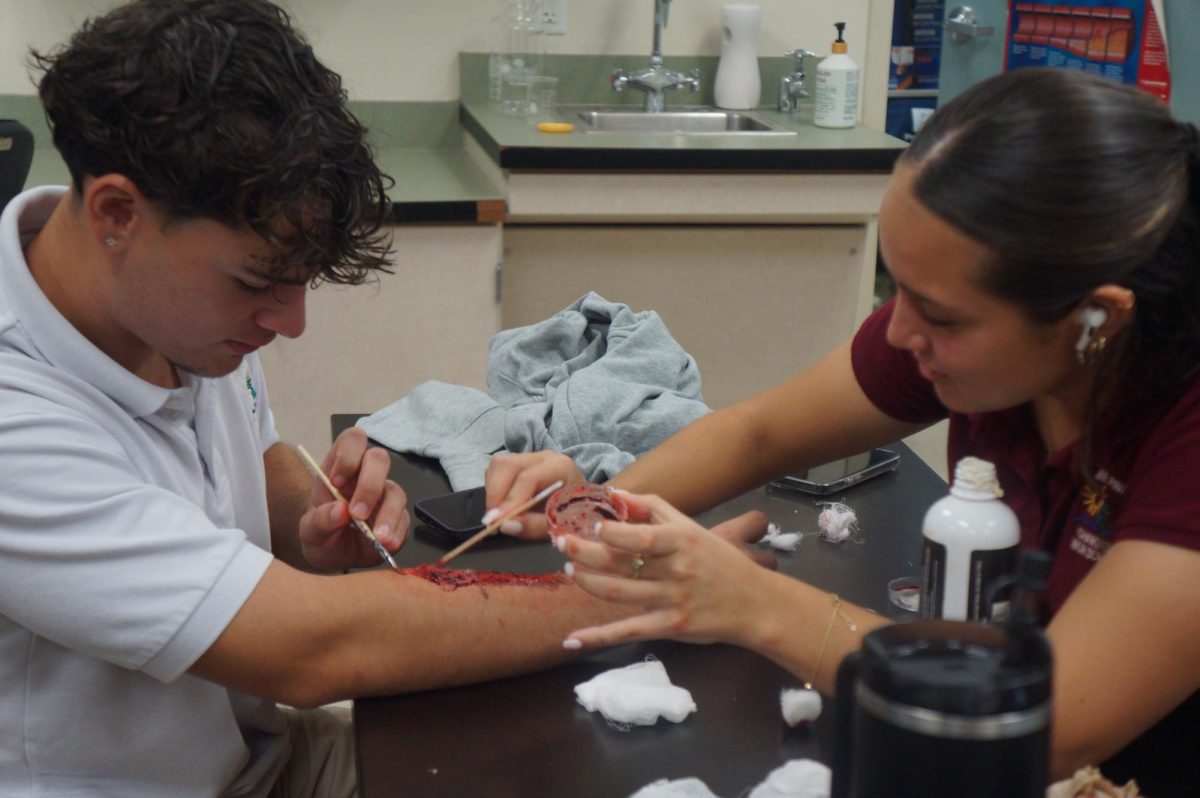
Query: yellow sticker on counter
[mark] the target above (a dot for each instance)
(555, 127)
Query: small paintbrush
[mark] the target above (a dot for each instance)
(491, 528)
(337, 494)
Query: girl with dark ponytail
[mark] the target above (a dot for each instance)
(1043, 231)
(1075, 182)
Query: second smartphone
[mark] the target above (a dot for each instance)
(840, 474)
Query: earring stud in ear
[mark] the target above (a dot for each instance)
(1086, 350)
(110, 241)
(1094, 350)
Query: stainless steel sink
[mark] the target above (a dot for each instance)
(689, 121)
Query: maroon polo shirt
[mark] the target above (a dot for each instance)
(1145, 468)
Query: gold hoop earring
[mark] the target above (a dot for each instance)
(1095, 350)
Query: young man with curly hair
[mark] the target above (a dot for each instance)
(158, 543)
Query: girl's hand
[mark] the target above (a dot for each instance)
(511, 479)
(694, 584)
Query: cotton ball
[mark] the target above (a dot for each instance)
(797, 778)
(837, 521)
(787, 541)
(679, 788)
(778, 539)
(772, 531)
(800, 706)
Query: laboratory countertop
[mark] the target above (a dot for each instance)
(445, 184)
(431, 185)
(516, 143)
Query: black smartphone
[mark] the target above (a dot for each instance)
(840, 474)
(453, 517)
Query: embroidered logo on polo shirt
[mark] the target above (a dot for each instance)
(1093, 535)
(1098, 508)
(1088, 544)
(252, 392)
(1095, 502)
(1099, 504)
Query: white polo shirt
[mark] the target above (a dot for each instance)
(133, 525)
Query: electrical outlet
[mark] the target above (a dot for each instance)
(553, 16)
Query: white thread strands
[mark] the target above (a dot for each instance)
(837, 522)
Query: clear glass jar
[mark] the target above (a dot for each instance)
(520, 56)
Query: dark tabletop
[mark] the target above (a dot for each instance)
(527, 735)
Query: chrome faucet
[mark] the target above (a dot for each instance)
(654, 79)
(791, 87)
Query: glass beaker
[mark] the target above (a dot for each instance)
(542, 97)
(521, 57)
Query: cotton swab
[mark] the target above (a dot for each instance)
(491, 528)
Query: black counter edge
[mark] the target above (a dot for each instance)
(456, 211)
(855, 161)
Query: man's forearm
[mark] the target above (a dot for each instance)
(305, 640)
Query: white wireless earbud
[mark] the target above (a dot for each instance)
(1092, 319)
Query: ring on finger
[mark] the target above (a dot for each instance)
(638, 562)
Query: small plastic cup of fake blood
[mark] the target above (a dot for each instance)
(905, 593)
(576, 509)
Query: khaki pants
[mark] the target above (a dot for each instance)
(322, 760)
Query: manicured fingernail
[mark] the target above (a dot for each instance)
(572, 644)
(596, 529)
(490, 516)
(560, 543)
(338, 480)
(360, 510)
(512, 527)
(384, 533)
(335, 515)
(569, 569)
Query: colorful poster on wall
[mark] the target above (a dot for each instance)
(1118, 39)
(916, 44)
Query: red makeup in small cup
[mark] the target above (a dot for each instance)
(576, 509)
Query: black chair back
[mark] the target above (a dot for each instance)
(16, 154)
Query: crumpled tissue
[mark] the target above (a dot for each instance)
(797, 778)
(678, 788)
(638, 694)
(837, 522)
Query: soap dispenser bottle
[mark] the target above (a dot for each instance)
(836, 97)
(738, 84)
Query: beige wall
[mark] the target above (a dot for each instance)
(406, 49)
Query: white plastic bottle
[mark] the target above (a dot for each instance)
(971, 537)
(836, 97)
(738, 84)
